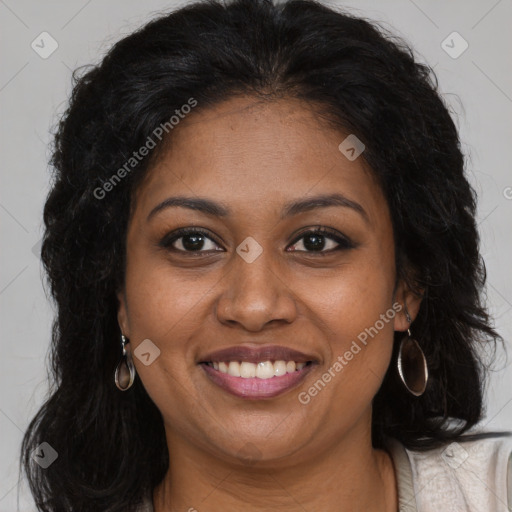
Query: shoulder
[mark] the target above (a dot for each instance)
(472, 474)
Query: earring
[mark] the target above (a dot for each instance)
(412, 365)
(125, 369)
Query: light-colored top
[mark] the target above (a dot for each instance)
(469, 476)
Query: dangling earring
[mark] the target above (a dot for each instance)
(125, 369)
(412, 365)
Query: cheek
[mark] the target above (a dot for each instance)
(165, 306)
(161, 298)
(355, 312)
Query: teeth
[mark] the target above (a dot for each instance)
(234, 368)
(265, 370)
(247, 370)
(262, 370)
(279, 368)
(290, 366)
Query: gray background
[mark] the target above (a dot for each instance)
(33, 91)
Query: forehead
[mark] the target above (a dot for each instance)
(250, 153)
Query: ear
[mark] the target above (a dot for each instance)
(412, 301)
(122, 313)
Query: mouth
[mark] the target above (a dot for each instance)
(257, 373)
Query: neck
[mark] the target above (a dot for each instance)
(347, 477)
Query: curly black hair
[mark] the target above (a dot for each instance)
(361, 78)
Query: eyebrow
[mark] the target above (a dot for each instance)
(209, 207)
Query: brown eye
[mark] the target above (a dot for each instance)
(322, 240)
(189, 240)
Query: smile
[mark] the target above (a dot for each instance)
(265, 379)
(261, 370)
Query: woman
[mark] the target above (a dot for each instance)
(263, 250)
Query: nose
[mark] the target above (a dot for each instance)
(255, 295)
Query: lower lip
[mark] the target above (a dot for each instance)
(255, 388)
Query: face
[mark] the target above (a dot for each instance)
(261, 278)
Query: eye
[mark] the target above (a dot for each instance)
(319, 239)
(189, 240)
(197, 240)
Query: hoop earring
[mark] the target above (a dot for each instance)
(125, 369)
(411, 363)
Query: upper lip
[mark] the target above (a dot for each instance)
(255, 354)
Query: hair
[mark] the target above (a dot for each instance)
(111, 446)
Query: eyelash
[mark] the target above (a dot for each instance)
(344, 242)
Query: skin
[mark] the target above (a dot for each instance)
(254, 156)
